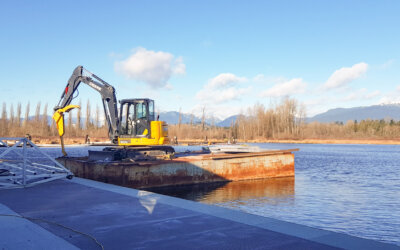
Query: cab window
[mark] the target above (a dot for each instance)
(124, 121)
(141, 112)
(151, 110)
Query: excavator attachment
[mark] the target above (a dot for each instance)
(58, 117)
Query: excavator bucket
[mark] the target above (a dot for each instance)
(58, 117)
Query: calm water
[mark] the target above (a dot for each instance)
(354, 189)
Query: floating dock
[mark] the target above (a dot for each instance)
(85, 214)
(185, 169)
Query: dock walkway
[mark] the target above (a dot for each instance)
(125, 218)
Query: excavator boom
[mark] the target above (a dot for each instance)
(106, 91)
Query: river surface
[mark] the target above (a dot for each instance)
(352, 189)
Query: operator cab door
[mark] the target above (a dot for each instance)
(141, 121)
(136, 116)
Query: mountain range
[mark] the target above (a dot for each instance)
(172, 117)
(374, 112)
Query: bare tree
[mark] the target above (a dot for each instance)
(70, 128)
(180, 118)
(45, 121)
(12, 117)
(37, 112)
(87, 122)
(97, 122)
(302, 114)
(19, 115)
(203, 117)
(44, 115)
(78, 118)
(26, 119)
(4, 112)
(3, 121)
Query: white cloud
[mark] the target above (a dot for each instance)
(360, 94)
(179, 68)
(353, 95)
(115, 55)
(261, 78)
(291, 87)
(373, 94)
(389, 99)
(169, 86)
(151, 67)
(222, 95)
(350, 97)
(387, 64)
(222, 88)
(345, 75)
(224, 80)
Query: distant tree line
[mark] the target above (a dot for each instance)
(15, 124)
(287, 120)
(283, 120)
(364, 129)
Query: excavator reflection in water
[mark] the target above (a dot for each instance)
(135, 128)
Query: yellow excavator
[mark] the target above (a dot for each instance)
(134, 126)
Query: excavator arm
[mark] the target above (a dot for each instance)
(106, 91)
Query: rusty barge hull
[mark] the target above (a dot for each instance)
(204, 168)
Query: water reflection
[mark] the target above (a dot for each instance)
(189, 192)
(147, 200)
(269, 190)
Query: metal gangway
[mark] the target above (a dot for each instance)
(24, 164)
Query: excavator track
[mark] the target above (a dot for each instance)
(142, 153)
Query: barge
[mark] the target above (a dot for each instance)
(191, 168)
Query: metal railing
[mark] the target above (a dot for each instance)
(21, 170)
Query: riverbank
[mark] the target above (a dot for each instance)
(304, 141)
(333, 141)
(81, 141)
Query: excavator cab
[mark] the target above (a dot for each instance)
(138, 125)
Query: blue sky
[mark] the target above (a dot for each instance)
(225, 56)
